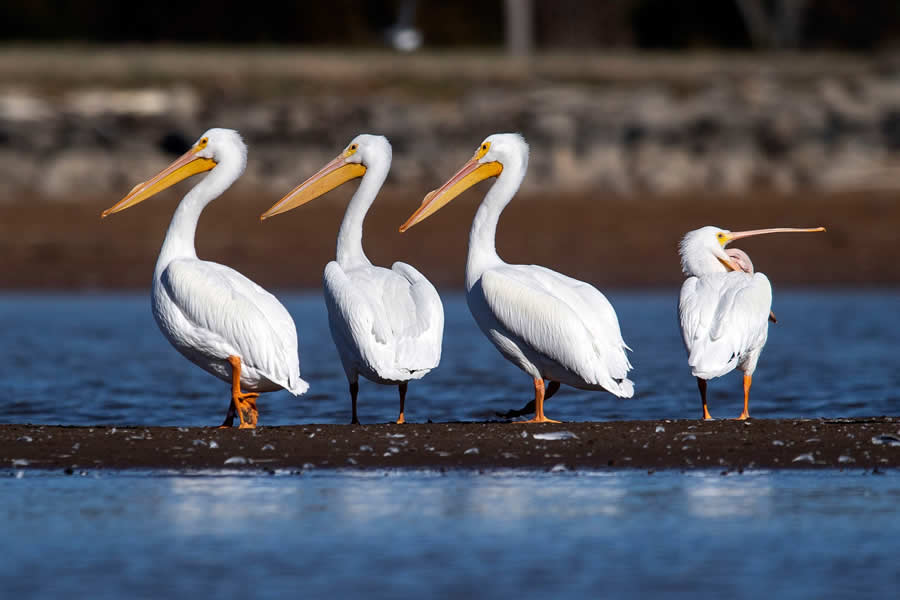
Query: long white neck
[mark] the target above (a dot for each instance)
(179, 242)
(349, 243)
(482, 238)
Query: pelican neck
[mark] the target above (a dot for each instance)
(482, 253)
(350, 252)
(179, 241)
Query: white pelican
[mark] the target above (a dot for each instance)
(724, 307)
(551, 326)
(387, 324)
(216, 317)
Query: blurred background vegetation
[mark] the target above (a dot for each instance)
(557, 24)
(646, 118)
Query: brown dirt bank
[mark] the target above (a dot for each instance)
(609, 241)
(872, 443)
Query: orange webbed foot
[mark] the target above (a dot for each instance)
(537, 420)
(246, 405)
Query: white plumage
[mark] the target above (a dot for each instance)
(209, 312)
(724, 307)
(724, 321)
(387, 324)
(566, 330)
(551, 326)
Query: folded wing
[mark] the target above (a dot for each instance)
(565, 320)
(390, 320)
(724, 317)
(233, 315)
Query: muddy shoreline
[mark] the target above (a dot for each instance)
(859, 443)
(609, 242)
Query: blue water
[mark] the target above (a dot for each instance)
(100, 359)
(627, 534)
(88, 359)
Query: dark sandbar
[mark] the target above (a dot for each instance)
(862, 443)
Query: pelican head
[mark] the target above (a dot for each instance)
(703, 250)
(214, 146)
(363, 152)
(497, 151)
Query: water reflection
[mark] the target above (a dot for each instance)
(425, 534)
(713, 496)
(204, 504)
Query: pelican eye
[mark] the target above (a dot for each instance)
(482, 150)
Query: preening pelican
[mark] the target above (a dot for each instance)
(387, 324)
(724, 306)
(217, 318)
(551, 326)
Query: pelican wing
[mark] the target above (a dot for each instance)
(233, 315)
(723, 318)
(389, 320)
(566, 320)
(420, 332)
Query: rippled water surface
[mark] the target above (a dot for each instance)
(783, 535)
(94, 359)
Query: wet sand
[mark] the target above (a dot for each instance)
(869, 443)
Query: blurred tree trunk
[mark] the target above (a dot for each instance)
(781, 30)
(519, 27)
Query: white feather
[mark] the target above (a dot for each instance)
(565, 329)
(385, 326)
(209, 312)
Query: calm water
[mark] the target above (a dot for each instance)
(93, 359)
(462, 535)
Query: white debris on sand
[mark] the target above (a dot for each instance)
(886, 440)
(555, 435)
(808, 458)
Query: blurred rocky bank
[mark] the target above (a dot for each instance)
(81, 122)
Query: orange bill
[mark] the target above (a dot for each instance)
(188, 164)
(326, 179)
(470, 174)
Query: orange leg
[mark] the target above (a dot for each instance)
(539, 404)
(401, 419)
(243, 404)
(551, 389)
(748, 380)
(701, 383)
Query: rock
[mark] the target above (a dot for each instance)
(778, 128)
